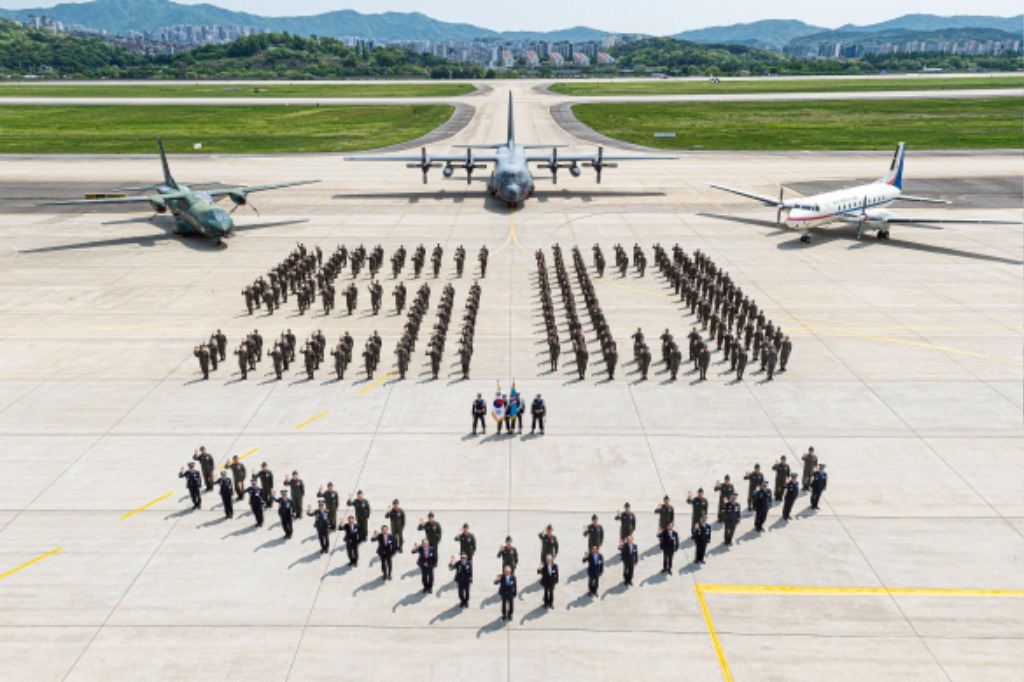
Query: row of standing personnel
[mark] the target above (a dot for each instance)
(390, 539)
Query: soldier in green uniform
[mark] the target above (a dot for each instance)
(781, 470)
(362, 507)
(433, 531)
(548, 543)
(467, 542)
(298, 489)
(266, 478)
(205, 460)
(810, 462)
(699, 504)
(756, 478)
(330, 498)
(594, 533)
(237, 475)
(509, 555)
(397, 517)
(627, 522)
(666, 513)
(725, 493)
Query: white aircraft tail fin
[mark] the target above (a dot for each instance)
(895, 175)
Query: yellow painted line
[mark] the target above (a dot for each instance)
(146, 506)
(858, 591)
(30, 562)
(311, 419)
(512, 232)
(726, 675)
(508, 239)
(241, 457)
(378, 382)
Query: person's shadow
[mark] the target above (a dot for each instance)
(582, 601)
(493, 626)
(536, 614)
(374, 584)
(409, 600)
(621, 588)
(309, 558)
(447, 614)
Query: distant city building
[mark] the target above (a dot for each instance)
(532, 59)
(605, 59)
(556, 59)
(580, 59)
(507, 60)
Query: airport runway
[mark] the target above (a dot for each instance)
(905, 377)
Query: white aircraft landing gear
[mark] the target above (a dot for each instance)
(804, 237)
(883, 234)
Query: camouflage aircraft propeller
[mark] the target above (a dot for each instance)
(511, 180)
(195, 212)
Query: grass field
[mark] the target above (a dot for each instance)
(221, 130)
(171, 90)
(983, 123)
(725, 87)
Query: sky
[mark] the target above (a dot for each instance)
(656, 17)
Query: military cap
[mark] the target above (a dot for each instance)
(783, 457)
(550, 527)
(191, 465)
(430, 515)
(811, 449)
(508, 538)
(359, 492)
(626, 505)
(329, 484)
(757, 466)
(822, 466)
(727, 477)
(665, 498)
(394, 501)
(593, 517)
(223, 474)
(321, 503)
(295, 473)
(465, 526)
(264, 464)
(463, 555)
(700, 490)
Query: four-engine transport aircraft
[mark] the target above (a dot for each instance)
(195, 212)
(511, 180)
(860, 205)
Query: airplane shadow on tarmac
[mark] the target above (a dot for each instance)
(849, 233)
(194, 242)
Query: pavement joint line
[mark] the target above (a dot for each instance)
(311, 419)
(146, 506)
(364, 389)
(30, 562)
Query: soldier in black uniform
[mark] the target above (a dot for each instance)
(595, 568)
(792, 492)
(204, 359)
(701, 539)
(668, 540)
(362, 509)
(762, 503)
(732, 515)
(396, 515)
(756, 478)
(385, 550)
(725, 492)
(627, 522)
(479, 411)
(285, 512)
(548, 573)
(426, 560)
(538, 411)
(781, 470)
(323, 526)
(226, 493)
(818, 485)
(192, 483)
(463, 577)
(255, 502)
(206, 464)
(630, 555)
(298, 490)
(330, 498)
(433, 531)
(351, 532)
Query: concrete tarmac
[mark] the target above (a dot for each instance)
(905, 377)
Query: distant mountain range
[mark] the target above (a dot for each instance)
(117, 17)
(777, 34)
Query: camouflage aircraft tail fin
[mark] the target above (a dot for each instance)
(511, 123)
(168, 178)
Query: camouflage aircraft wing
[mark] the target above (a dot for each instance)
(597, 158)
(258, 188)
(429, 158)
(115, 200)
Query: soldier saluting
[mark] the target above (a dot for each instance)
(810, 461)
(205, 460)
(362, 509)
(756, 478)
(192, 483)
(330, 498)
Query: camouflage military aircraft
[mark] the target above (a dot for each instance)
(195, 212)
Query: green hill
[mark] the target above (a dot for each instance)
(771, 34)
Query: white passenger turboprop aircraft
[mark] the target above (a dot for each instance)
(861, 205)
